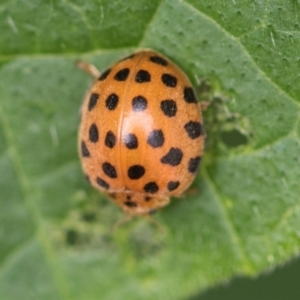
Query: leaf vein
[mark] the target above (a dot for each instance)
(238, 41)
(149, 24)
(27, 194)
(246, 263)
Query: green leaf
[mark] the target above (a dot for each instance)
(242, 213)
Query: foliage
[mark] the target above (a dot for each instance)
(242, 214)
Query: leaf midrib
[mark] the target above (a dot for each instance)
(27, 192)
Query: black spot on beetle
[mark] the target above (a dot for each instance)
(93, 101)
(112, 101)
(159, 60)
(102, 183)
(156, 138)
(194, 164)
(93, 133)
(169, 80)
(136, 172)
(189, 95)
(110, 139)
(139, 103)
(173, 157)
(84, 150)
(122, 75)
(131, 141)
(109, 170)
(130, 203)
(168, 107)
(104, 74)
(193, 129)
(173, 185)
(151, 187)
(142, 76)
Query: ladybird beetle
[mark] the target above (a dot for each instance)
(141, 133)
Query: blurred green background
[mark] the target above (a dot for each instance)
(243, 217)
(282, 283)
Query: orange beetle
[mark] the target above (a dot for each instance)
(141, 134)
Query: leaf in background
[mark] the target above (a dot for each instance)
(242, 216)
